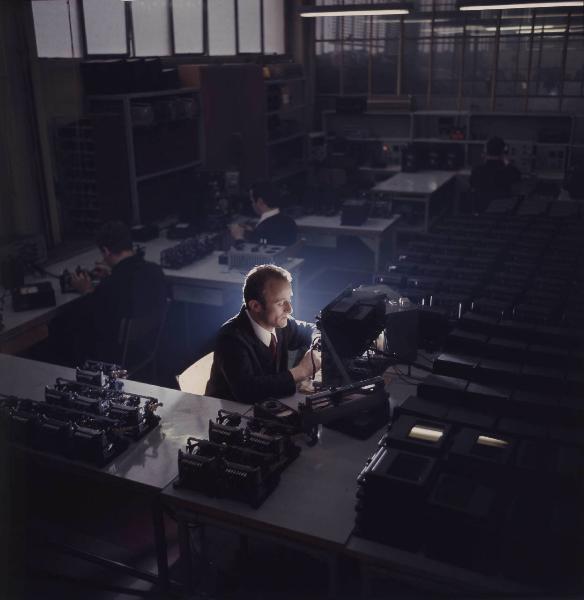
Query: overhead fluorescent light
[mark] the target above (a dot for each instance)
(527, 30)
(466, 5)
(355, 10)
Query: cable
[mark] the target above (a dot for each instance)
(414, 377)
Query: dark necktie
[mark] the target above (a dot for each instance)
(272, 346)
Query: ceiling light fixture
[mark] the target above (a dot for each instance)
(355, 10)
(467, 5)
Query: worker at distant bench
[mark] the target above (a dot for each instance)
(273, 226)
(495, 176)
(250, 362)
(130, 287)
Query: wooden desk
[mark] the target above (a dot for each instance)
(316, 229)
(429, 188)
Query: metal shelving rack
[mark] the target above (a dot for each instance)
(152, 148)
(521, 131)
(75, 151)
(287, 154)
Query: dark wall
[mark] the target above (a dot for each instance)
(20, 172)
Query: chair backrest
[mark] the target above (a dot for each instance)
(139, 338)
(295, 249)
(194, 379)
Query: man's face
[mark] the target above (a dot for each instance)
(108, 257)
(256, 204)
(277, 305)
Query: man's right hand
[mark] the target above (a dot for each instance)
(237, 231)
(101, 270)
(304, 369)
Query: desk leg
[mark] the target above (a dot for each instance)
(185, 553)
(376, 255)
(160, 541)
(333, 585)
(365, 581)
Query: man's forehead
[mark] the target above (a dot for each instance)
(278, 289)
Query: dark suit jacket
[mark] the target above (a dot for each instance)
(135, 288)
(280, 230)
(243, 368)
(494, 177)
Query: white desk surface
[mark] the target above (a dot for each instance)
(333, 224)
(150, 462)
(206, 271)
(422, 182)
(314, 501)
(16, 322)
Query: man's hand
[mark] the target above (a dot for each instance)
(237, 231)
(305, 369)
(101, 270)
(81, 283)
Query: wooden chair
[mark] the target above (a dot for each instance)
(139, 339)
(194, 379)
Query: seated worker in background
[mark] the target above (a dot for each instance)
(574, 182)
(495, 176)
(130, 287)
(250, 363)
(273, 226)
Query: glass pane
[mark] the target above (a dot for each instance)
(512, 66)
(478, 65)
(249, 19)
(221, 21)
(384, 57)
(416, 65)
(187, 17)
(105, 26)
(329, 28)
(574, 76)
(151, 27)
(328, 61)
(546, 70)
(274, 34)
(355, 68)
(51, 28)
(356, 28)
(446, 65)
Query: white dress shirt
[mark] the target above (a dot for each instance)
(268, 214)
(263, 334)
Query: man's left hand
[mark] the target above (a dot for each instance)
(81, 283)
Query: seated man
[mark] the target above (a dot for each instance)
(130, 287)
(273, 226)
(251, 352)
(495, 177)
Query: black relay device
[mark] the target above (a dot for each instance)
(30, 297)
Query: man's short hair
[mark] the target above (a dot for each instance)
(267, 192)
(115, 236)
(495, 146)
(258, 277)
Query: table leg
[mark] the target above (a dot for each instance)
(333, 586)
(160, 542)
(185, 553)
